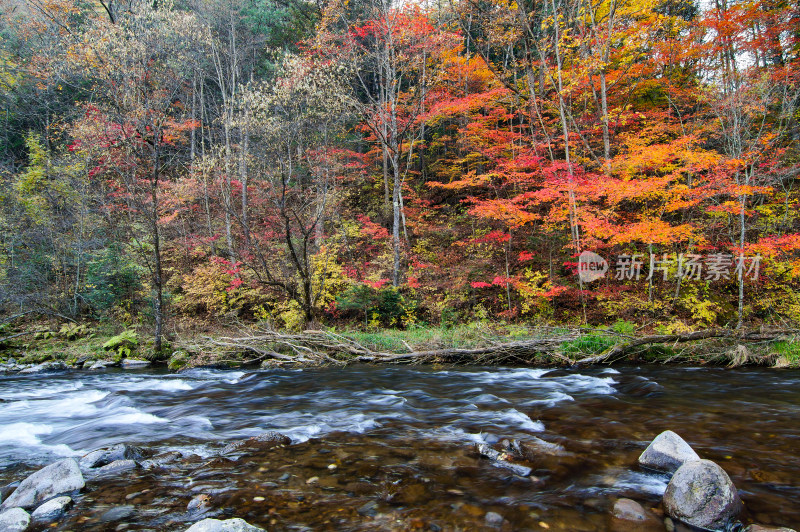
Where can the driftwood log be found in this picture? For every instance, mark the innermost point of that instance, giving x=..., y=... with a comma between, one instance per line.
x=324, y=347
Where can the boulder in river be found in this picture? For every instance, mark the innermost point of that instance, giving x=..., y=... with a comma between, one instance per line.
x=52, y=510
x=58, y=478
x=14, y=520
x=228, y=525
x=667, y=452
x=702, y=495
x=266, y=440
x=106, y=455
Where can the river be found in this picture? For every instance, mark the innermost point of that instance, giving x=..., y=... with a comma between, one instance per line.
x=392, y=448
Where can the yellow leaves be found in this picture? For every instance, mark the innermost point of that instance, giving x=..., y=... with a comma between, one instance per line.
x=8, y=77
x=40, y=182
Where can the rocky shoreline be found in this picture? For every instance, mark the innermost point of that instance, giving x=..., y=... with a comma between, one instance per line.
x=699, y=496
x=12, y=366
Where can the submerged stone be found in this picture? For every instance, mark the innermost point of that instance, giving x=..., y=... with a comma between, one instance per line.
x=228, y=525
x=629, y=510
x=107, y=455
x=52, y=509
x=266, y=440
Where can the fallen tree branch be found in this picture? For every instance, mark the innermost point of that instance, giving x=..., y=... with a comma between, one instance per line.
x=323, y=347
x=7, y=338
x=621, y=349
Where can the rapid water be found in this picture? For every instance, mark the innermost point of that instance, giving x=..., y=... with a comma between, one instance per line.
x=592, y=423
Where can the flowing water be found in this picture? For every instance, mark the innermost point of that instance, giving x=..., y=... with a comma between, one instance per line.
x=392, y=448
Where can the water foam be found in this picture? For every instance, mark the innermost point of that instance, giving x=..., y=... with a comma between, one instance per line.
x=132, y=416
x=153, y=385
x=27, y=435
x=42, y=391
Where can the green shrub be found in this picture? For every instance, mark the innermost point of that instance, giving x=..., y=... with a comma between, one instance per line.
x=112, y=280
x=624, y=327
x=591, y=344
x=73, y=331
x=383, y=306
x=788, y=354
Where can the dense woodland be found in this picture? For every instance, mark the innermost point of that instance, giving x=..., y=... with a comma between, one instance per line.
x=367, y=163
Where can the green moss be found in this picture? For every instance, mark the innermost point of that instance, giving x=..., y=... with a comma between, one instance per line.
x=179, y=360
x=658, y=353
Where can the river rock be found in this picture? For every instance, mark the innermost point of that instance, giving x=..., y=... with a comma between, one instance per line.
x=135, y=363
x=52, y=509
x=162, y=460
x=45, y=366
x=533, y=449
x=762, y=528
x=116, y=467
x=494, y=519
x=101, y=364
x=499, y=459
x=106, y=455
x=667, y=452
x=228, y=525
x=14, y=520
x=701, y=494
x=118, y=513
x=629, y=510
x=59, y=477
x=266, y=440
x=368, y=509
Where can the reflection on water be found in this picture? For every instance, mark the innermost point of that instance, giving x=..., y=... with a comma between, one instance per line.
x=400, y=438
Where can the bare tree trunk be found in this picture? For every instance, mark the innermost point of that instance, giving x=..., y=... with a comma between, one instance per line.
x=158, y=302
x=243, y=173
x=742, y=234
x=396, y=222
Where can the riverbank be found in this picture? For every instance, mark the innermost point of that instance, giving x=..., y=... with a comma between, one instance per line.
x=80, y=346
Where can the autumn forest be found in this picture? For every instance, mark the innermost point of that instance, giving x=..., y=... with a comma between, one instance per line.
x=373, y=164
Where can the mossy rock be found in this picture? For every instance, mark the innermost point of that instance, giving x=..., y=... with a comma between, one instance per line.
x=179, y=360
